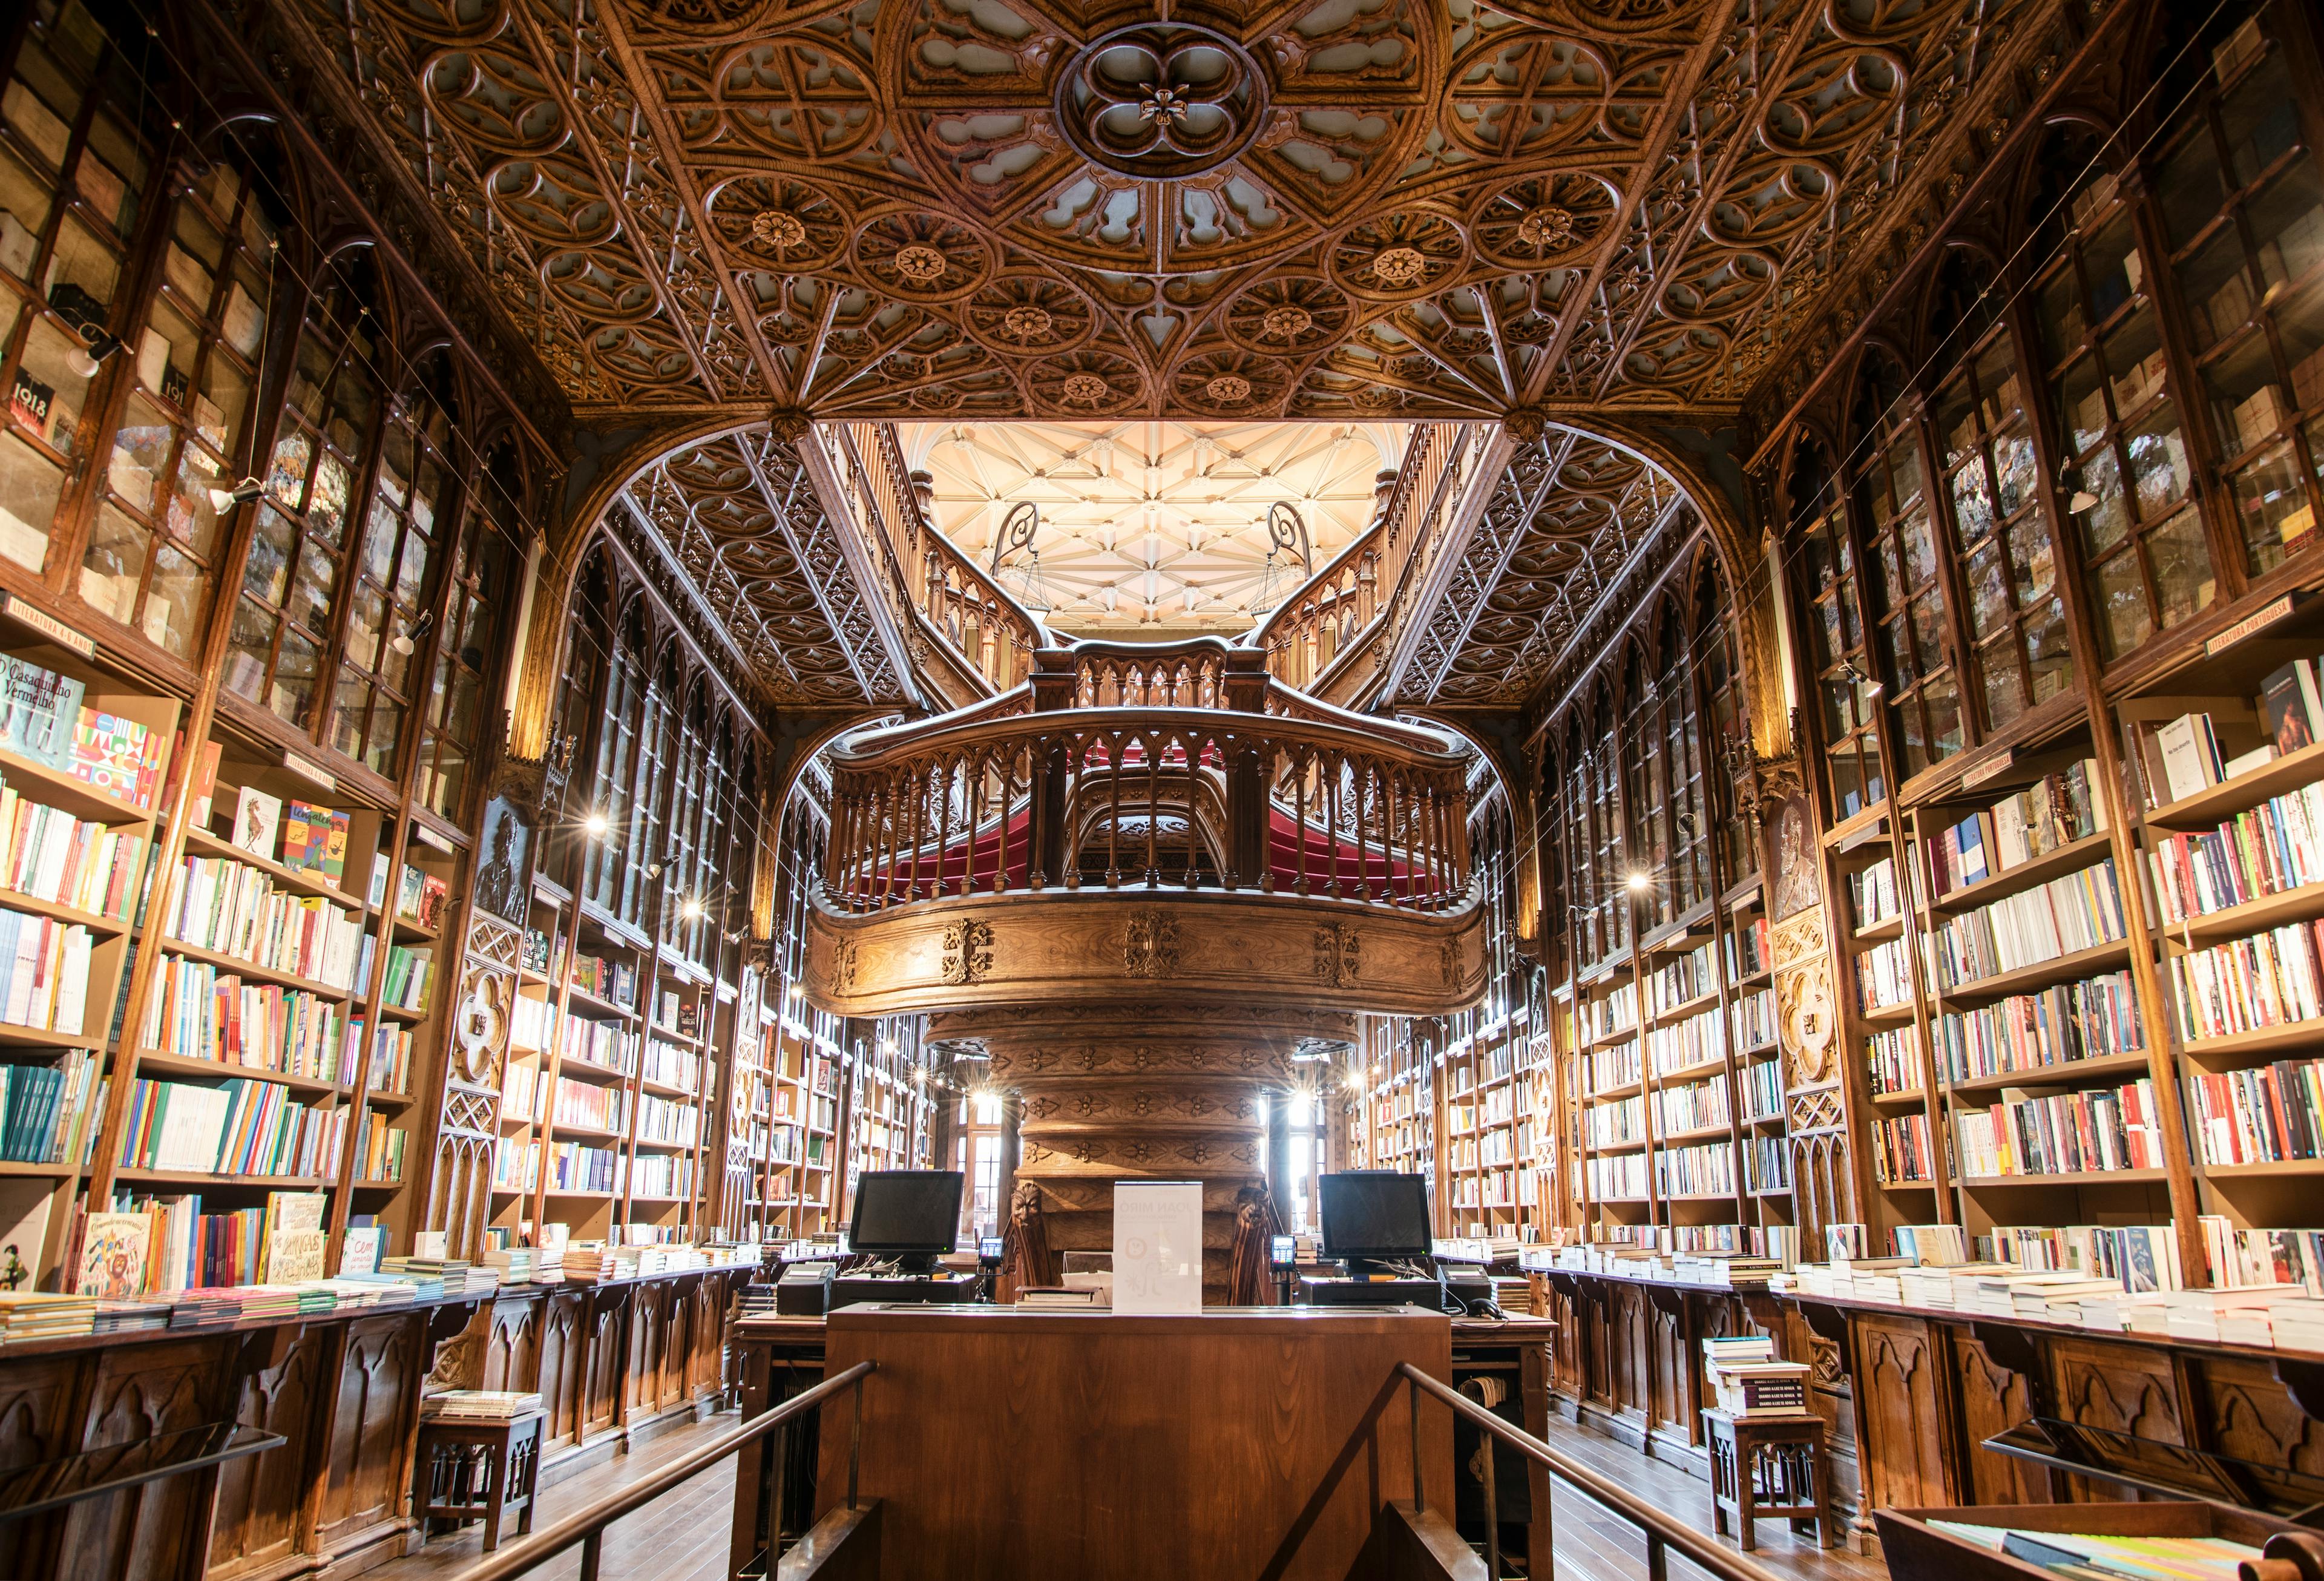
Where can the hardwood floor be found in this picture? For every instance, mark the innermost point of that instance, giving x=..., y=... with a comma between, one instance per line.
x=1596, y=1545
x=682, y=1536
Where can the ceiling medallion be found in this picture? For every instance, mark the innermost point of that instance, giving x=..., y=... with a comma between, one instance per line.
x=1228, y=388
x=1398, y=266
x=1288, y=322
x=1027, y=323
x=921, y=263
x=1546, y=228
x=772, y=227
x=1162, y=100
x=1084, y=389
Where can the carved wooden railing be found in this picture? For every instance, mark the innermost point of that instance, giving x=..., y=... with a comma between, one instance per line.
x=988, y=633
x=1230, y=784
x=1308, y=638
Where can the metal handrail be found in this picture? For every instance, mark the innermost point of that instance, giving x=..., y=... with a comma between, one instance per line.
x=588, y=1528
x=1661, y=1531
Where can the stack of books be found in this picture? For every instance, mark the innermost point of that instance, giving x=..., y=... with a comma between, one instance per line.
x=1748, y=1381
x=479, y=1405
x=202, y=1308
x=33, y=1315
x=512, y=1265
x=131, y=1317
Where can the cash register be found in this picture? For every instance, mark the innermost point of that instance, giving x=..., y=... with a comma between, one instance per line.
x=1376, y=1222
x=904, y=1220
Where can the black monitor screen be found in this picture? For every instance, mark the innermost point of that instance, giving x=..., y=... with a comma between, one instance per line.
x=906, y=1210
x=1373, y=1213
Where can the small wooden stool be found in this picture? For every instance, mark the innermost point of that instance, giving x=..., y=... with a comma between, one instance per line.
x=1769, y=1467
x=467, y=1469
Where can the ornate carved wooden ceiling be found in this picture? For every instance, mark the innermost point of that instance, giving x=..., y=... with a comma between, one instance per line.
x=1569, y=514
x=1329, y=209
x=744, y=526
x=1150, y=523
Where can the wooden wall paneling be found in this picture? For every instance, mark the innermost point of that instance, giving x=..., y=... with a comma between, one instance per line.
x=2123, y=1388
x=1668, y=1327
x=1995, y=1385
x=561, y=1355
x=678, y=1350
x=706, y=1371
x=1566, y=1350
x=263, y=1515
x=36, y=1419
x=376, y=1405
x=2245, y=1411
x=143, y=1533
x=605, y=1351
x=648, y=1339
x=1901, y=1387
x=512, y=1344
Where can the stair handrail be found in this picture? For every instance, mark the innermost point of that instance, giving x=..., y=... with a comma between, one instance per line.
x=950, y=594
x=1308, y=636
x=1664, y=1532
x=587, y=1526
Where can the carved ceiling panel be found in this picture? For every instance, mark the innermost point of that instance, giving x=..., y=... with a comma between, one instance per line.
x=1567, y=519
x=1338, y=209
x=742, y=525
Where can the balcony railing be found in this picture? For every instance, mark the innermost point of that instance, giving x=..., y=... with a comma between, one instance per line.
x=990, y=634
x=1201, y=773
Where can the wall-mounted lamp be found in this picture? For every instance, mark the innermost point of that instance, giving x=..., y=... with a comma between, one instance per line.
x=404, y=640
x=595, y=825
x=691, y=910
x=83, y=360
x=224, y=499
x=1849, y=673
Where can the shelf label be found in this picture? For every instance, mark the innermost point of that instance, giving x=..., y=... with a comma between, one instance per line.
x=429, y=837
x=48, y=626
x=2258, y=620
x=1985, y=772
x=308, y=770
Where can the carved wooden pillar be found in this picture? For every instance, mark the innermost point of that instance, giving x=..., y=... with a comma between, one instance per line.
x=1134, y=1090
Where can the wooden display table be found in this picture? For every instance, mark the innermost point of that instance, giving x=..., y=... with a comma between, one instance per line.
x=469, y=1470
x=1769, y=1468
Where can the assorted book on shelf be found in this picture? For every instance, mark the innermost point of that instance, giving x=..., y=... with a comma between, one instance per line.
x=52, y=856
x=2031, y=1132
x=2052, y=813
x=39, y=1105
x=44, y=721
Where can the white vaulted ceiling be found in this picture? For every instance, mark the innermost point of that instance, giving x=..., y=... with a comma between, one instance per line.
x=1152, y=528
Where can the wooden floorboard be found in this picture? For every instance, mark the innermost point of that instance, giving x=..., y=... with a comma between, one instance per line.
x=682, y=1536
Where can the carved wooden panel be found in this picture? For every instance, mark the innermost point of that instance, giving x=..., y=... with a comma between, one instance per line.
x=1631, y=1370
x=1899, y=1373
x=604, y=1363
x=1991, y=1399
x=648, y=1338
x=562, y=1353
x=368, y=1472
x=2248, y=1414
x=678, y=1352
x=138, y=1391
x=36, y=1399
x=706, y=1373
x=2117, y=1387
x=1668, y=1365
x=512, y=1343
x=262, y=1499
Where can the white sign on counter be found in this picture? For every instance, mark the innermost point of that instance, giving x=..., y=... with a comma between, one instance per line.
x=1158, y=1246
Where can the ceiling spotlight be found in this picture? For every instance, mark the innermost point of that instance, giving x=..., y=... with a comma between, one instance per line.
x=240, y=493
x=595, y=825
x=83, y=360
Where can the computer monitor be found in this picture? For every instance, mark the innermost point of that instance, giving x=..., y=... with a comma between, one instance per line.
x=1370, y=1215
x=910, y=1214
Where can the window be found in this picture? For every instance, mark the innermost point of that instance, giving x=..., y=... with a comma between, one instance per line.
x=412, y=494
x=60, y=274
x=986, y=1209
x=2127, y=467
x=1610, y=900
x=1682, y=753
x=1985, y=454
x=193, y=365
x=1915, y=655
x=1648, y=841
x=298, y=551
x=1844, y=686
x=2242, y=209
x=1729, y=726
x=617, y=739
x=485, y=569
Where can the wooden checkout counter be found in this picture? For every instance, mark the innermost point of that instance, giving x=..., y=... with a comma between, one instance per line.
x=995, y=1369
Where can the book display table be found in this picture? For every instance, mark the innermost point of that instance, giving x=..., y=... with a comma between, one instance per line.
x=1769, y=1468
x=475, y=1469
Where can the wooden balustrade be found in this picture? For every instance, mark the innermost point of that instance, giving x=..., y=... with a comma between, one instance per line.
x=1194, y=781
x=1307, y=635
x=989, y=631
